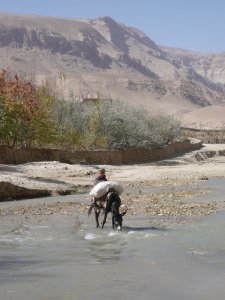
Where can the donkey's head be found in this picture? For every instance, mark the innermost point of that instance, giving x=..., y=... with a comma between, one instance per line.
x=118, y=220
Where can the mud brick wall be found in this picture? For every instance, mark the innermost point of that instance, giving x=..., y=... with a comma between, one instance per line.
x=20, y=156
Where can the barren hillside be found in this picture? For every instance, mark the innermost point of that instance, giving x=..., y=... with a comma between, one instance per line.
x=210, y=117
x=103, y=57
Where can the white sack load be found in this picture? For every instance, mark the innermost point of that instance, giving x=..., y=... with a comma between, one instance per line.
x=103, y=187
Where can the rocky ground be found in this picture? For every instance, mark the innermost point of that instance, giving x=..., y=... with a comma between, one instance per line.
x=167, y=190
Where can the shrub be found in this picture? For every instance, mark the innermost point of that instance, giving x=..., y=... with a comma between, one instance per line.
x=115, y=125
x=34, y=116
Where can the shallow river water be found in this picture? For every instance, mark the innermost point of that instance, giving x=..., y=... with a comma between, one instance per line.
x=67, y=258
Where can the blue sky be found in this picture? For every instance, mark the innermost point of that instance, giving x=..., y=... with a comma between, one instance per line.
x=197, y=25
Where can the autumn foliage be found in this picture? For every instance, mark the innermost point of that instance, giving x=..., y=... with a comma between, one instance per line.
x=25, y=112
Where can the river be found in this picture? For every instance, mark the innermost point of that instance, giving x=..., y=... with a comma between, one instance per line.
x=67, y=258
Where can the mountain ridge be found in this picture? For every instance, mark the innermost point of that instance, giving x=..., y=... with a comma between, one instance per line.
x=112, y=59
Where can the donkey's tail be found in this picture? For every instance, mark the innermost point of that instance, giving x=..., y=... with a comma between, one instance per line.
x=90, y=208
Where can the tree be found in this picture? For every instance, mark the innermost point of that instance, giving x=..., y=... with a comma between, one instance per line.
x=25, y=112
x=34, y=116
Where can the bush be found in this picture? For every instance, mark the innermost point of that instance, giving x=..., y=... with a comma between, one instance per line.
x=115, y=125
x=128, y=127
x=34, y=116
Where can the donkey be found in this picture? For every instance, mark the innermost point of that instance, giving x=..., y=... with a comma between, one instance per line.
x=113, y=203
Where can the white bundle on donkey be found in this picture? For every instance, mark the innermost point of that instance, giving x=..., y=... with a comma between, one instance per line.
x=103, y=187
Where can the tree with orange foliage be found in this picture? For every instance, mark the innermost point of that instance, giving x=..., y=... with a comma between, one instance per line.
x=24, y=111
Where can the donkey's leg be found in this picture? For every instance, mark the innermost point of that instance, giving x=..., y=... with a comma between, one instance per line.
x=113, y=214
x=113, y=221
x=96, y=218
x=104, y=220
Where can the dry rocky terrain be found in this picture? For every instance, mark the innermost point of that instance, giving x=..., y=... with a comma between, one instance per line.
x=167, y=190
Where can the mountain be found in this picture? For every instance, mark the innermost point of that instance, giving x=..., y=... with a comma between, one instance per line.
x=106, y=58
x=208, y=65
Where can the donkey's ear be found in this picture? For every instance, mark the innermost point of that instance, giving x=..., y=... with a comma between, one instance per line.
x=124, y=212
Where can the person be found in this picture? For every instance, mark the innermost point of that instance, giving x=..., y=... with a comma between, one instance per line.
x=101, y=177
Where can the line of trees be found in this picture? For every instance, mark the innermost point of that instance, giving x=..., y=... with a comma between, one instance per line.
x=35, y=116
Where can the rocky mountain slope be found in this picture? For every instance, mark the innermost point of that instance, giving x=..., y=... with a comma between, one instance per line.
x=103, y=57
x=208, y=65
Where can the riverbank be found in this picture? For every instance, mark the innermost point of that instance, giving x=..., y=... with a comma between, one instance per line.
x=167, y=190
